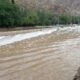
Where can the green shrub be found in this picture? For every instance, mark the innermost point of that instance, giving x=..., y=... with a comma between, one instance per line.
x=9, y=14
x=65, y=19
x=45, y=18
x=12, y=15
x=30, y=18
x=76, y=19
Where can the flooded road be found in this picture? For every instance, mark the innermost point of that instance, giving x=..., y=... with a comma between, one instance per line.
x=52, y=56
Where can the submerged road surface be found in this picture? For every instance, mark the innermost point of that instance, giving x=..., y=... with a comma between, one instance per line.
x=50, y=54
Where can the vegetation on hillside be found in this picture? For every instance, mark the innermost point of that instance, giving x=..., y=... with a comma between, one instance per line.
x=12, y=15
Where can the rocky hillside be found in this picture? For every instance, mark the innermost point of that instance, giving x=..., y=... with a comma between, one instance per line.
x=58, y=6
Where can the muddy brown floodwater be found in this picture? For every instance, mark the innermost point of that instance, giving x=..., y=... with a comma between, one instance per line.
x=54, y=56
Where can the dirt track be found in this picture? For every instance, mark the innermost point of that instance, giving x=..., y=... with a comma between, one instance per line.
x=54, y=56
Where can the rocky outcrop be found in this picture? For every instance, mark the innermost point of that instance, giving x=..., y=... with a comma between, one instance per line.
x=77, y=76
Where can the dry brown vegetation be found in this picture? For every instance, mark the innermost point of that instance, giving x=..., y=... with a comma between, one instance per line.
x=65, y=6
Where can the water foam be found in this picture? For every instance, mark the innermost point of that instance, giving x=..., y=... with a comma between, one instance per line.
x=4, y=40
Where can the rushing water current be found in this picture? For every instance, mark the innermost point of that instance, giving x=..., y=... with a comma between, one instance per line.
x=50, y=54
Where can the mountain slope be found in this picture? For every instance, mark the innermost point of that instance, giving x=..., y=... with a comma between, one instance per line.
x=59, y=6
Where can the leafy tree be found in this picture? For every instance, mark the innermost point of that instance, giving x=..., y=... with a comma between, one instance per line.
x=9, y=14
